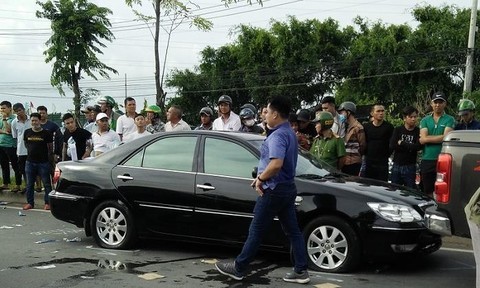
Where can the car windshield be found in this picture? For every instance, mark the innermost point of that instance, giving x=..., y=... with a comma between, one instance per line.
x=307, y=165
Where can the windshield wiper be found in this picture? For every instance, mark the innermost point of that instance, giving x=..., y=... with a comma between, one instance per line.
x=310, y=176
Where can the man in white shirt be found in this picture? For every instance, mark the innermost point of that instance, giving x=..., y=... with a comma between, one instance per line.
x=228, y=120
x=126, y=123
x=19, y=125
x=175, y=121
x=104, y=139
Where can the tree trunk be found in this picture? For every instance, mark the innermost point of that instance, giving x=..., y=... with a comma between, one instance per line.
x=160, y=96
x=76, y=92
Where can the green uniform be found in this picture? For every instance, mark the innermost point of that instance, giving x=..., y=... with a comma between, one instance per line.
x=6, y=140
x=431, y=150
x=328, y=149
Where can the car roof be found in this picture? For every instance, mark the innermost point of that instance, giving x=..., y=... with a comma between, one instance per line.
x=126, y=149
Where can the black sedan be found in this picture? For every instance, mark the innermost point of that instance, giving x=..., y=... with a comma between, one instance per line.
x=195, y=186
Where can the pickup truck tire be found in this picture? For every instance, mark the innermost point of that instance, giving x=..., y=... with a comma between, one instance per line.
x=332, y=245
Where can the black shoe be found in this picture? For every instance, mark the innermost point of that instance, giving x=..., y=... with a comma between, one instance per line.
x=295, y=277
x=228, y=269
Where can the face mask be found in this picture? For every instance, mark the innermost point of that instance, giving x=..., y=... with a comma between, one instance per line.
x=249, y=122
x=342, y=118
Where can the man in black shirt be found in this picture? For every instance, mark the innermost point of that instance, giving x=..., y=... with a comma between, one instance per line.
x=378, y=134
x=77, y=142
x=39, y=143
x=405, y=143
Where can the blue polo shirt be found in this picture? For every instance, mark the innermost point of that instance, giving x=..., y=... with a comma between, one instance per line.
x=281, y=143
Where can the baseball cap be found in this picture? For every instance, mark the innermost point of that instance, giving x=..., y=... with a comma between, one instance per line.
x=87, y=109
x=439, y=96
x=101, y=116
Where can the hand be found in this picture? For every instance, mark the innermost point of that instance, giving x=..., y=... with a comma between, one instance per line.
x=257, y=185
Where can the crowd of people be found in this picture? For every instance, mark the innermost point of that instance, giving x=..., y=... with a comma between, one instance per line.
x=32, y=144
x=339, y=139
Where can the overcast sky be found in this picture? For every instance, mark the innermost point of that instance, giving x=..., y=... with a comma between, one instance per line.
x=25, y=77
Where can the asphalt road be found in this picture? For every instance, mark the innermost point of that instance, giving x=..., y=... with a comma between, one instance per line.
x=40, y=251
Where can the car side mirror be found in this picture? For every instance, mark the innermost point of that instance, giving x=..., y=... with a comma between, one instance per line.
x=254, y=172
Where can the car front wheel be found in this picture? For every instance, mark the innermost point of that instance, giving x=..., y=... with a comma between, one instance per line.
x=112, y=225
x=332, y=245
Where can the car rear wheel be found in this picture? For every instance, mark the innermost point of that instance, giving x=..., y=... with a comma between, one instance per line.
x=112, y=225
x=332, y=245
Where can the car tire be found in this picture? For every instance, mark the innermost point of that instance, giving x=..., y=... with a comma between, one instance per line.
x=332, y=245
x=112, y=225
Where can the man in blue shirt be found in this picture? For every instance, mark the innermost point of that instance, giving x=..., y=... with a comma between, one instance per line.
x=275, y=185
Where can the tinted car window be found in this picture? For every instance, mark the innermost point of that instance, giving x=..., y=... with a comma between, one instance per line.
x=227, y=158
x=135, y=160
x=173, y=153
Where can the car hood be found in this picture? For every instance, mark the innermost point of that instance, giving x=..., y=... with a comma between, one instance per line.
x=372, y=190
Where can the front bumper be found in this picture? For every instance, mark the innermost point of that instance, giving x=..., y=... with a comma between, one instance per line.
x=437, y=222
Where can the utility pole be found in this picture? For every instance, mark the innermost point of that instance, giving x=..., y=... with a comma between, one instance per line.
x=467, y=84
x=126, y=80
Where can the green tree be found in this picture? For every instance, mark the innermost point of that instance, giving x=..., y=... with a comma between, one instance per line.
x=295, y=58
x=77, y=30
x=402, y=65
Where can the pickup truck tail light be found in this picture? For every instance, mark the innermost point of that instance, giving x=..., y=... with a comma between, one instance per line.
x=444, y=174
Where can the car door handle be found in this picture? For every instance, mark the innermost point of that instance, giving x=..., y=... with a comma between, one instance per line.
x=124, y=177
x=205, y=187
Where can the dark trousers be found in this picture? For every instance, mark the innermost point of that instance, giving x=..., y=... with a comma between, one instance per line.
x=404, y=175
x=278, y=202
x=428, y=172
x=9, y=154
x=22, y=159
x=33, y=170
x=352, y=169
x=377, y=171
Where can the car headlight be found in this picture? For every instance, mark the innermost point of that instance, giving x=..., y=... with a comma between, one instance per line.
x=395, y=212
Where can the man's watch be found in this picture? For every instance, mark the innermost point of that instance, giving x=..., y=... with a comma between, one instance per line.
x=260, y=179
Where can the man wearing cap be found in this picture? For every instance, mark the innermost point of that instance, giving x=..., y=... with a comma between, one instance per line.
x=92, y=126
x=466, y=111
x=107, y=106
x=328, y=104
x=153, y=120
x=249, y=125
x=89, y=116
x=104, y=139
x=206, y=122
x=228, y=120
x=327, y=145
x=433, y=128
x=305, y=126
